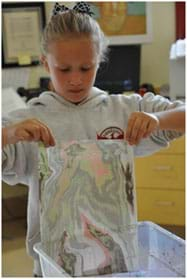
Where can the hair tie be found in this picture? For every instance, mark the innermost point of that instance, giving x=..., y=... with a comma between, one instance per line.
x=80, y=7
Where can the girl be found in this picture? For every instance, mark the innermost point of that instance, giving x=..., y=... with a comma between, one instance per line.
x=73, y=47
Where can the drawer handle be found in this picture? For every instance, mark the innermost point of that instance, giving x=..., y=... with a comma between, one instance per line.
x=162, y=168
x=165, y=203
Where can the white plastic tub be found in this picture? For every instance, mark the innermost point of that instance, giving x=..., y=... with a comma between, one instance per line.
x=161, y=254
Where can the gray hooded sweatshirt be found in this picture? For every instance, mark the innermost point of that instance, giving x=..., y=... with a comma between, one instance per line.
x=100, y=116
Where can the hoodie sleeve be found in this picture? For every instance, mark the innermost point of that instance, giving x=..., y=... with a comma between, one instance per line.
x=18, y=160
x=154, y=103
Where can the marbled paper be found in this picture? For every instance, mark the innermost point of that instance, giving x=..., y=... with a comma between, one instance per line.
x=88, y=207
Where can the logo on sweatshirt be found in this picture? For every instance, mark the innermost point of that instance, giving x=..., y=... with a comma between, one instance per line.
x=114, y=133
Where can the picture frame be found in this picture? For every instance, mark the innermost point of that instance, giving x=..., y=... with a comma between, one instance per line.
x=22, y=24
x=130, y=22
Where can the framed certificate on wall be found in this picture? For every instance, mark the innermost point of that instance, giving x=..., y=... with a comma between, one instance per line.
x=22, y=24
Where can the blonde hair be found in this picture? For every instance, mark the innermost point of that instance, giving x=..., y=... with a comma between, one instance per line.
x=74, y=23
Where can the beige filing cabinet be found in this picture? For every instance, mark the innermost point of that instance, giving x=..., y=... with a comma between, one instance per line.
x=160, y=182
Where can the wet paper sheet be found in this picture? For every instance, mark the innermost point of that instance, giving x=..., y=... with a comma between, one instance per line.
x=88, y=207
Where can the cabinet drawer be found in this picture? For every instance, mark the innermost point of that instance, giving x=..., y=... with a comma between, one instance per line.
x=164, y=207
x=161, y=171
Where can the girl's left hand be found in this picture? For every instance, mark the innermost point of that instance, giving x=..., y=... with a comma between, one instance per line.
x=140, y=125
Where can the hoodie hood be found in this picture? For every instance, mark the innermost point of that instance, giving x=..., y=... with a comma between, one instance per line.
x=54, y=101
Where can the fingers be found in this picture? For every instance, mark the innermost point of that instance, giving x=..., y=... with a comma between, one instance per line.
x=46, y=136
x=23, y=136
x=40, y=132
x=31, y=130
x=140, y=125
x=136, y=130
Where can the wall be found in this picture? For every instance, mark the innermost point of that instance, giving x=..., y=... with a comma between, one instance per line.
x=154, y=57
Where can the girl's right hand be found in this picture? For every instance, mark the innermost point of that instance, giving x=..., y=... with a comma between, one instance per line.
x=27, y=130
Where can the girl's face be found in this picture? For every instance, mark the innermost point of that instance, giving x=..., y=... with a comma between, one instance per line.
x=72, y=64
